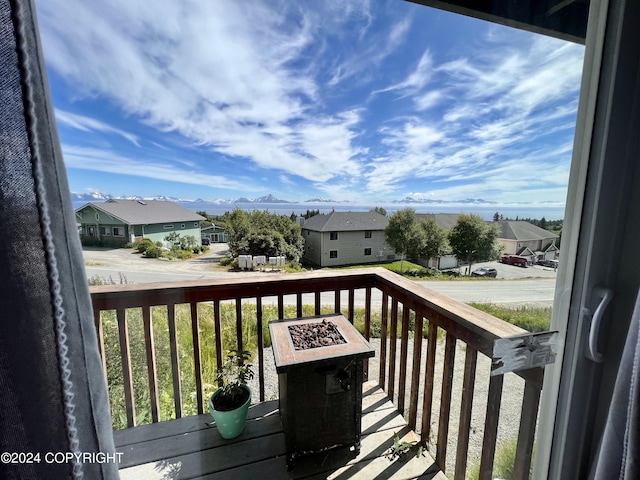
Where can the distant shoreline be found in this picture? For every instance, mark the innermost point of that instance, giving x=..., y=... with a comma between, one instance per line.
x=484, y=210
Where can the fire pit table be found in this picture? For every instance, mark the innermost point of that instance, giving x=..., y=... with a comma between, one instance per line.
x=319, y=364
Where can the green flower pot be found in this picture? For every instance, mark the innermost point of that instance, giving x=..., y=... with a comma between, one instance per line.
x=230, y=424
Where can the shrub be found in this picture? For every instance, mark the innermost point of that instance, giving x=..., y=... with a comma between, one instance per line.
x=225, y=261
x=143, y=244
x=153, y=252
x=182, y=254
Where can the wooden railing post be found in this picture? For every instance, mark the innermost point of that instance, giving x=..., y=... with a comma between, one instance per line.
x=445, y=400
x=404, y=343
x=151, y=363
x=125, y=357
x=494, y=400
x=175, y=360
x=468, y=384
x=527, y=433
x=197, y=360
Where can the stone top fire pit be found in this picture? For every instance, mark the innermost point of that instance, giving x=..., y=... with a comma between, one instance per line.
x=315, y=339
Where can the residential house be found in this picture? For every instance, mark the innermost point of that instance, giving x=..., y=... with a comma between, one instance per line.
x=214, y=233
x=445, y=221
x=525, y=239
x=346, y=238
x=117, y=222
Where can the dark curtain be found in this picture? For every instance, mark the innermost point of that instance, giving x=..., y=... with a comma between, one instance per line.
x=53, y=397
x=619, y=451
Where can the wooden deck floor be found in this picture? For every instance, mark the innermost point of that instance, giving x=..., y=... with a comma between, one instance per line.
x=188, y=448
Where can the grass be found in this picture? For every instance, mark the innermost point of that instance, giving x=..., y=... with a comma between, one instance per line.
x=409, y=269
x=504, y=461
x=533, y=319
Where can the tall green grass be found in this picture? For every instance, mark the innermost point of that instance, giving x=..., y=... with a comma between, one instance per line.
x=533, y=319
x=138, y=353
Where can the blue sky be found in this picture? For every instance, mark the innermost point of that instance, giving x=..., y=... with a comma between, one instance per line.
x=368, y=101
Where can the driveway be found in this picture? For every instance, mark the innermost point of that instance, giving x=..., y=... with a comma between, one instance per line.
x=127, y=259
x=511, y=272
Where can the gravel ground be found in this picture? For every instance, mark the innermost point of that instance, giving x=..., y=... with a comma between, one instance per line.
x=510, y=408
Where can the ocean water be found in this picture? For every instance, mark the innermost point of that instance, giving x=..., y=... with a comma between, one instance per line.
x=484, y=210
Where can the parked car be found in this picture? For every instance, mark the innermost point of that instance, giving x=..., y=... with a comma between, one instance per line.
x=515, y=260
x=549, y=263
x=205, y=241
x=485, y=272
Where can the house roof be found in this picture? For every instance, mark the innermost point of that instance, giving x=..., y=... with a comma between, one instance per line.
x=522, y=231
x=346, y=221
x=443, y=220
x=145, y=212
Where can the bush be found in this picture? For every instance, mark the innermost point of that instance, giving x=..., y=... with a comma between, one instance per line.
x=225, y=261
x=153, y=251
x=182, y=254
x=143, y=244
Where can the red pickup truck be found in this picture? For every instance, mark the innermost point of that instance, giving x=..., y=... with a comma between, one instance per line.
x=515, y=260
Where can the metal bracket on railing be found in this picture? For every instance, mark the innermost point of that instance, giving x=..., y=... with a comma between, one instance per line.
x=605, y=295
x=524, y=351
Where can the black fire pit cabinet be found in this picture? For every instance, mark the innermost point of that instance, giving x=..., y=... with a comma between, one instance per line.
x=320, y=387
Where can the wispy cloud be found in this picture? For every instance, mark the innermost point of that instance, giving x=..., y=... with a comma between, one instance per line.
x=346, y=99
x=87, y=124
x=219, y=73
x=103, y=160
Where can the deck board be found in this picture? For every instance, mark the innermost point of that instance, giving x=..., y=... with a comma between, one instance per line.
x=190, y=448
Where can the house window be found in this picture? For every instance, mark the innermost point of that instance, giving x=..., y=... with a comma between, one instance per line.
x=367, y=234
x=333, y=253
x=333, y=235
x=97, y=216
x=367, y=251
x=118, y=232
x=168, y=227
x=105, y=231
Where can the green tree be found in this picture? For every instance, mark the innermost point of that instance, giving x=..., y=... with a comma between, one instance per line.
x=433, y=239
x=403, y=234
x=263, y=233
x=473, y=240
x=379, y=210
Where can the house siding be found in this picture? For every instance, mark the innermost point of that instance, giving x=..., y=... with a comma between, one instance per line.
x=313, y=247
x=157, y=232
x=349, y=245
x=91, y=220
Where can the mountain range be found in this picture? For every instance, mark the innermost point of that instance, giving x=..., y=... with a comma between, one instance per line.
x=266, y=199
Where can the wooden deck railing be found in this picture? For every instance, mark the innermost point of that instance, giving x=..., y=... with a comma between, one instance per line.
x=399, y=301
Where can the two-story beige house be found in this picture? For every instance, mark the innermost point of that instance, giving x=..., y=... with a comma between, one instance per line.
x=525, y=239
x=346, y=238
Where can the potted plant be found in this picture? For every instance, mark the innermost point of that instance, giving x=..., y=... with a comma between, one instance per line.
x=229, y=404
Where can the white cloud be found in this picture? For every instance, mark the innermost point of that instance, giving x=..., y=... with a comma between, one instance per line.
x=106, y=161
x=218, y=73
x=86, y=124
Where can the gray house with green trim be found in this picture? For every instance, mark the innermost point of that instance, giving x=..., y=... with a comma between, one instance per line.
x=117, y=221
x=346, y=238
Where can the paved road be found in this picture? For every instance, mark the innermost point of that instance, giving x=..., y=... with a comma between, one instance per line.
x=537, y=291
